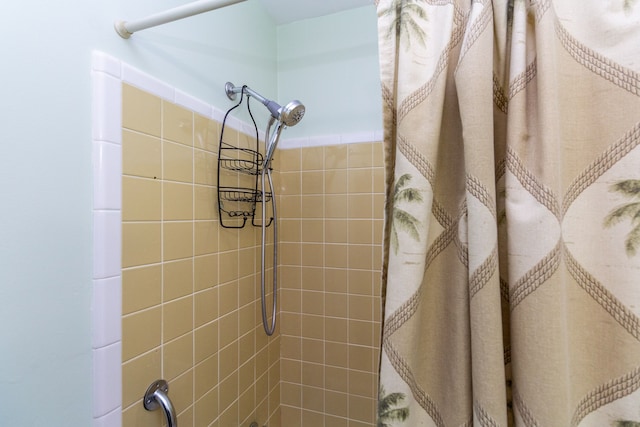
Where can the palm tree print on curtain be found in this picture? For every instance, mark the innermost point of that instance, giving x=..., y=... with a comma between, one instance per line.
x=628, y=5
x=402, y=219
x=408, y=14
x=631, y=210
x=388, y=411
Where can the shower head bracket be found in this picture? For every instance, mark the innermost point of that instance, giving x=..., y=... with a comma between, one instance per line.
x=231, y=90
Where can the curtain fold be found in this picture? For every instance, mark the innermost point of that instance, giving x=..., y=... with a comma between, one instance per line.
x=512, y=233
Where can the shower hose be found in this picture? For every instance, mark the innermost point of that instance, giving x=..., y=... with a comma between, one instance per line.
x=269, y=327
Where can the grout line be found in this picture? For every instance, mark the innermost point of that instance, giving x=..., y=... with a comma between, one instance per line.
x=162, y=260
x=193, y=268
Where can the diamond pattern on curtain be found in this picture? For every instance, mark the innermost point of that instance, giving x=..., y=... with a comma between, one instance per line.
x=512, y=235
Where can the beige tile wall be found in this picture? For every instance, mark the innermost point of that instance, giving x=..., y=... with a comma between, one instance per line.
x=191, y=310
x=331, y=206
x=190, y=307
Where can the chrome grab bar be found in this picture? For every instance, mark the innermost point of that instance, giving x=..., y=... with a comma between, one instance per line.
x=157, y=396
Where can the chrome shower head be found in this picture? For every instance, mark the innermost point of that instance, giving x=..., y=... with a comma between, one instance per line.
x=292, y=113
x=289, y=115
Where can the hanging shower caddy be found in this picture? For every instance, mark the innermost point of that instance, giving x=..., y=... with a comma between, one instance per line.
x=237, y=203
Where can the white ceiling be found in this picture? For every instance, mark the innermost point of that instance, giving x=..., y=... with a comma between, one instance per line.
x=285, y=11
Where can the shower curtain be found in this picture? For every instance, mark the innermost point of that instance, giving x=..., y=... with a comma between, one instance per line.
x=512, y=233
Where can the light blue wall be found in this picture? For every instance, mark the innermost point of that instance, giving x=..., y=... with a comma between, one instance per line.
x=45, y=155
x=330, y=63
x=45, y=172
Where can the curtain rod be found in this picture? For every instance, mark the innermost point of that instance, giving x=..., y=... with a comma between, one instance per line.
x=125, y=28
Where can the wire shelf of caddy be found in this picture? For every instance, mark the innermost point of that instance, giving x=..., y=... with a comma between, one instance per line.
x=242, y=195
x=239, y=203
x=239, y=171
x=243, y=160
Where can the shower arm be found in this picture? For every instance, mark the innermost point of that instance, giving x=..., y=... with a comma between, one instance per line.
x=231, y=91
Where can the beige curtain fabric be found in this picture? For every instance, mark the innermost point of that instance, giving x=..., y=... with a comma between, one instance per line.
x=513, y=213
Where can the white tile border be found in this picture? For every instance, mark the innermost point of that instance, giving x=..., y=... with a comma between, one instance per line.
x=108, y=74
x=335, y=139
